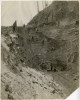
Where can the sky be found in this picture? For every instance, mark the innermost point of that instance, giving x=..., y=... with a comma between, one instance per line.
x=22, y=11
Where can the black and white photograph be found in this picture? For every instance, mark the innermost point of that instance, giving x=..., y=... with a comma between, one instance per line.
x=39, y=49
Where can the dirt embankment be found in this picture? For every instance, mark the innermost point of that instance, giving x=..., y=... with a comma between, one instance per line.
x=28, y=54
x=22, y=82
x=19, y=82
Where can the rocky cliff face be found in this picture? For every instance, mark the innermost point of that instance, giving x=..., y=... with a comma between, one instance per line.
x=51, y=37
x=58, y=11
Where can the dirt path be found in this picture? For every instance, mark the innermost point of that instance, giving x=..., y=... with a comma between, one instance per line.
x=68, y=78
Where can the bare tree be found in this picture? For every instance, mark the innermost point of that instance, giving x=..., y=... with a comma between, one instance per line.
x=31, y=16
x=23, y=25
x=43, y=4
x=37, y=6
x=46, y=3
x=15, y=26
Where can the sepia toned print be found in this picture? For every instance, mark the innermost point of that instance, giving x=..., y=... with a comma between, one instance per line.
x=39, y=49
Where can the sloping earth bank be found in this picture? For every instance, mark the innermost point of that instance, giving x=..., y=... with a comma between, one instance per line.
x=27, y=83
